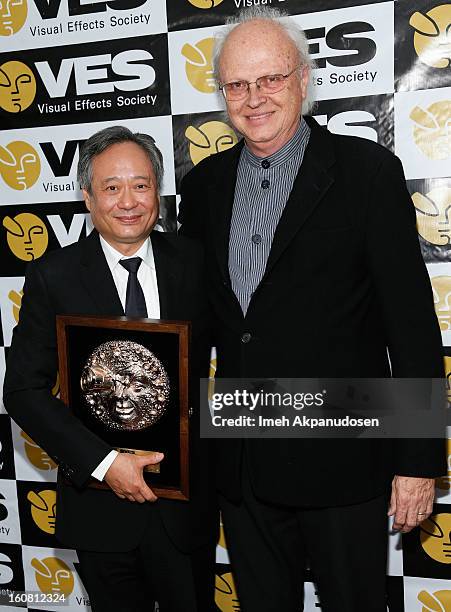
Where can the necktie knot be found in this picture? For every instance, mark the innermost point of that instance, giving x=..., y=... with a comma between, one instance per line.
x=131, y=265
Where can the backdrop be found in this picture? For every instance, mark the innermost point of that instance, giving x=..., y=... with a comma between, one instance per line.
x=71, y=67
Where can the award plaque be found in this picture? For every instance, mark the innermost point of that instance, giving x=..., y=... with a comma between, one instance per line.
x=127, y=381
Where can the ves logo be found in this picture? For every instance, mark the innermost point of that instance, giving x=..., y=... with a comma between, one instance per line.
x=19, y=165
x=43, y=509
x=36, y=455
x=53, y=575
x=209, y=138
x=13, y=14
x=205, y=4
x=432, y=129
x=199, y=66
x=435, y=537
x=225, y=593
x=17, y=86
x=433, y=210
x=16, y=299
x=441, y=289
x=432, y=38
x=27, y=236
x=440, y=601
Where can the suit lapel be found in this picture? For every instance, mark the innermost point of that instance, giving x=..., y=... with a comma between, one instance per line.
x=312, y=182
x=221, y=194
x=169, y=275
x=97, y=279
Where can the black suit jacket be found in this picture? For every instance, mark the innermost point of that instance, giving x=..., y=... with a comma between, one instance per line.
x=77, y=280
x=344, y=282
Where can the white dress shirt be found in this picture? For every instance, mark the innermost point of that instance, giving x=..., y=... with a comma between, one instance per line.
x=147, y=277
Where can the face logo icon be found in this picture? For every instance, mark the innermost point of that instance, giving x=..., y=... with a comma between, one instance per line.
x=13, y=14
x=440, y=601
x=53, y=575
x=19, y=165
x=444, y=482
x=441, y=289
x=433, y=215
x=43, y=509
x=432, y=38
x=205, y=4
x=38, y=457
x=17, y=87
x=435, y=537
x=432, y=129
x=16, y=299
x=198, y=66
x=27, y=236
x=208, y=139
x=225, y=593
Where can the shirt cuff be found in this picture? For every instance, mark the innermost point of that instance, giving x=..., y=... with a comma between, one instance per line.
x=102, y=468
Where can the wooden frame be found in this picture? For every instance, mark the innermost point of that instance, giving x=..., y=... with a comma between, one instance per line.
x=77, y=336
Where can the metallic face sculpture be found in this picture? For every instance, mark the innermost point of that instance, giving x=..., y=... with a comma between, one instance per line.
x=125, y=386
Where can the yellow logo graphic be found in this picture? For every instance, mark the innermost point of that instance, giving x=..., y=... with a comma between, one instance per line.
x=19, y=165
x=444, y=482
x=440, y=601
x=198, y=66
x=441, y=289
x=17, y=87
x=211, y=378
x=38, y=457
x=53, y=575
x=432, y=38
x=16, y=299
x=27, y=236
x=432, y=129
x=435, y=537
x=205, y=4
x=13, y=14
x=43, y=509
x=433, y=210
x=225, y=593
x=209, y=138
x=56, y=386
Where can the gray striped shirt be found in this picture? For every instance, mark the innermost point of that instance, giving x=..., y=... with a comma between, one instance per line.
x=262, y=189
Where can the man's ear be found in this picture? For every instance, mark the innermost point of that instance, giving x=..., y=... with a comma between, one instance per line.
x=87, y=199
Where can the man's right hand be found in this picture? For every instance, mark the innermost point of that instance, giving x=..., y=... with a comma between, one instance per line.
x=125, y=476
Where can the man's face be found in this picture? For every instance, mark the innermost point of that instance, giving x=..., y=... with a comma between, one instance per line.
x=124, y=199
x=267, y=121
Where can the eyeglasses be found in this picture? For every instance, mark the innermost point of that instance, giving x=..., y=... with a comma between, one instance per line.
x=268, y=84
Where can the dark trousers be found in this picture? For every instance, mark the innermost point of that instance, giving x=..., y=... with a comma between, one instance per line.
x=156, y=570
x=270, y=547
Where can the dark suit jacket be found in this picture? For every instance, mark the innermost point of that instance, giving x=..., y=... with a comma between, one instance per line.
x=344, y=282
x=77, y=280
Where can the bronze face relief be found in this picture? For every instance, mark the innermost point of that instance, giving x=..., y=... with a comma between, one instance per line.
x=125, y=386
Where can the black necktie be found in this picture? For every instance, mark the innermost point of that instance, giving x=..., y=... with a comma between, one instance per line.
x=135, y=304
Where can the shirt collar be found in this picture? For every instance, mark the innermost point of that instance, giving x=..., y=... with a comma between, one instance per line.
x=289, y=150
x=113, y=256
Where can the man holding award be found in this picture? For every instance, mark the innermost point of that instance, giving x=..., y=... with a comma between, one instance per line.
x=133, y=548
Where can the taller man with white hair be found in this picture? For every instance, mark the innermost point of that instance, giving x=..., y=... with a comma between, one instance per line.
x=312, y=252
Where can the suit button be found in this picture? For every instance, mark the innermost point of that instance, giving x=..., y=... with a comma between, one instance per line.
x=265, y=184
x=265, y=164
x=246, y=337
x=256, y=239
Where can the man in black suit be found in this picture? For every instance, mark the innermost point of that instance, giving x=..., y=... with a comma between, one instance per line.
x=312, y=257
x=132, y=547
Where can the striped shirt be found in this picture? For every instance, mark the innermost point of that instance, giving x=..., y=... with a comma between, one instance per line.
x=262, y=189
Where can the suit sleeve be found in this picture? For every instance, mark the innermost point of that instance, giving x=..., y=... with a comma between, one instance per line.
x=31, y=372
x=191, y=208
x=404, y=292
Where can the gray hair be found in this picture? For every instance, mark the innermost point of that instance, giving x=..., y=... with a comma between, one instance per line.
x=100, y=141
x=279, y=18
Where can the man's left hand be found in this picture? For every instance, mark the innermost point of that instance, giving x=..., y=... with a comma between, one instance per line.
x=411, y=501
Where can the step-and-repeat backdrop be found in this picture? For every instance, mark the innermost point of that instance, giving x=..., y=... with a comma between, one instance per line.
x=71, y=67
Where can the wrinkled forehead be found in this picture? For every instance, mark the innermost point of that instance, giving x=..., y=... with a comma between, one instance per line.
x=257, y=44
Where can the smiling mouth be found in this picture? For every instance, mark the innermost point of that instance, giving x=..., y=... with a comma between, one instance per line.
x=129, y=219
x=259, y=117
x=125, y=413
